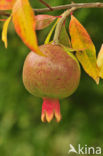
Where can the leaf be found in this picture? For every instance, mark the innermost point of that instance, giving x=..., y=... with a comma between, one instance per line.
x=25, y=23
x=50, y=33
x=69, y=52
x=42, y=21
x=81, y=40
x=68, y=49
x=6, y=4
x=4, y=31
x=64, y=38
x=2, y=20
x=100, y=62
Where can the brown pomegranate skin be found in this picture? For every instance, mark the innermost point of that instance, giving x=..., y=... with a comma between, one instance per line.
x=55, y=75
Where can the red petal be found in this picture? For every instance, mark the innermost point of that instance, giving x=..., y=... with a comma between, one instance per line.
x=50, y=108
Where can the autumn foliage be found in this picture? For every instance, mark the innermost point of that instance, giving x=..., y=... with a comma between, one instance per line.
x=80, y=44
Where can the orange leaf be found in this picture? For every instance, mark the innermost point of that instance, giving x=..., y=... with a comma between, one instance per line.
x=100, y=62
x=42, y=21
x=4, y=31
x=6, y=4
x=24, y=22
x=81, y=41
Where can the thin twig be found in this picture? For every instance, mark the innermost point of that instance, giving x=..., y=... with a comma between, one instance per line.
x=63, y=7
x=46, y=4
x=69, y=6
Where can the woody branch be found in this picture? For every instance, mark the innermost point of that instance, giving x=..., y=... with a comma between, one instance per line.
x=63, y=7
x=69, y=6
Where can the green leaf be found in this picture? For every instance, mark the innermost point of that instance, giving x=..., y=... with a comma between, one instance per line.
x=64, y=38
x=70, y=52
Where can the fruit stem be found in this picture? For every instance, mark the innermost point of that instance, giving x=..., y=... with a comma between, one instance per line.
x=60, y=23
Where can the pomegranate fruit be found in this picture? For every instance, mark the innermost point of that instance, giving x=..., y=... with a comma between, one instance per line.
x=52, y=77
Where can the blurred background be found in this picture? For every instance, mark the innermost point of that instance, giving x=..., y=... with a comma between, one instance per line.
x=21, y=131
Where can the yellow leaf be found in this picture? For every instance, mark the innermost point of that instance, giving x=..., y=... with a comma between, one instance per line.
x=6, y=4
x=50, y=33
x=4, y=31
x=25, y=23
x=100, y=62
x=81, y=40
